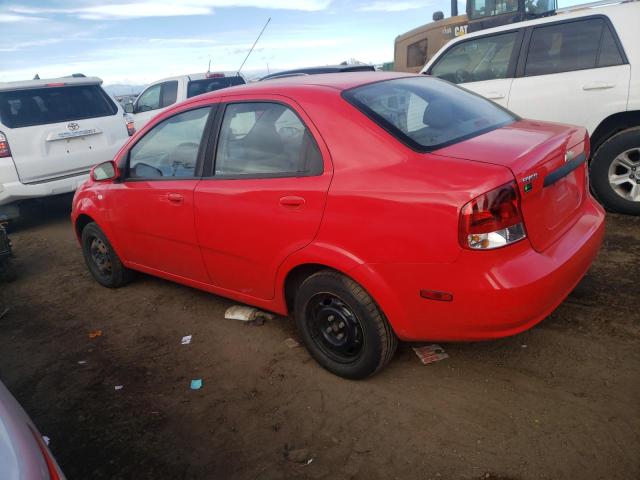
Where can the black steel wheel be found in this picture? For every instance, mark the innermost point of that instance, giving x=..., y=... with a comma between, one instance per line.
x=101, y=259
x=342, y=327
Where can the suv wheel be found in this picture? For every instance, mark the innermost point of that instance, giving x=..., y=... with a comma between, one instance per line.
x=342, y=327
x=615, y=172
x=102, y=260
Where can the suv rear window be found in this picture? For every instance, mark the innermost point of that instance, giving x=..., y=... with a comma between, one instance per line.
x=198, y=87
x=39, y=106
x=426, y=113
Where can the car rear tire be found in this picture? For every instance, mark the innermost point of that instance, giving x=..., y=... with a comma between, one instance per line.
x=102, y=260
x=342, y=327
x=615, y=172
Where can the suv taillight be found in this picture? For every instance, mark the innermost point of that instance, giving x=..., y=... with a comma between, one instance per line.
x=493, y=219
x=5, y=151
x=131, y=128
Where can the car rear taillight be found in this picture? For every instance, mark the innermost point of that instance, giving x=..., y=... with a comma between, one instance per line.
x=131, y=127
x=51, y=464
x=493, y=219
x=5, y=151
x=215, y=75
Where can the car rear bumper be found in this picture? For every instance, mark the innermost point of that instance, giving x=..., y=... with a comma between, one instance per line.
x=12, y=190
x=495, y=293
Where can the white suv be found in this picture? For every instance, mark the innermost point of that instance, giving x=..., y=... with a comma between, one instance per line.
x=161, y=94
x=51, y=133
x=580, y=67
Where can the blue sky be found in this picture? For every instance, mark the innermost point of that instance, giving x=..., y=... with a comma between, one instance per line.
x=139, y=41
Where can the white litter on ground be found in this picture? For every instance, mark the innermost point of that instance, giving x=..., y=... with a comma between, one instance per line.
x=82, y=362
x=186, y=340
x=118, y=387
x=46, y=439
x=291, y=343
x=244, y=313
x=430, y=353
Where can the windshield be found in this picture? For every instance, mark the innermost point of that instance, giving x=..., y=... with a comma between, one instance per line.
x=39, y=106
x=427, y=113
x=198, y=87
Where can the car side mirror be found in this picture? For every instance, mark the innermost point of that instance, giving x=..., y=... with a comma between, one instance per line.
x=128, y=107
x=104, y=171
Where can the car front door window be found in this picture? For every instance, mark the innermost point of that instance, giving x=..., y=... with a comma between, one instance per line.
x=149, y=99
x=170, y=149
x=479, y=59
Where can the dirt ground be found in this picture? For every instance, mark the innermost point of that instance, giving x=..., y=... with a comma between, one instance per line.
x=561, y=401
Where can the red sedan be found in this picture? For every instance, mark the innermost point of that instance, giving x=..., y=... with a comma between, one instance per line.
x=372, y=206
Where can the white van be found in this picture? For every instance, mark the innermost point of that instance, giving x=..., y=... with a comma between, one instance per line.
x=580, y=67
x=51, y=133
x=161, y=94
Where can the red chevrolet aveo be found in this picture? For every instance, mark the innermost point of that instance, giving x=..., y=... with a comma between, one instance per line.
x=372, y=206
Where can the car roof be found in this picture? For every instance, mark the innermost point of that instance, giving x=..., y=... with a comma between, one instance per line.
x=337, y=81
x=49, y=82
x=197, y=76
x=321, y=69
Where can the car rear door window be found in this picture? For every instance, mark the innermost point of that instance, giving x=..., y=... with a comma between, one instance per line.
x=149, y=99
x=564, y=47
x=39, y=106
x=169, y=93
x=478, y=59
x=265, y=139
x=170, y=149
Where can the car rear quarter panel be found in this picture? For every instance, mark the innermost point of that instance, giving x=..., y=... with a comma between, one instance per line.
x=388, y=204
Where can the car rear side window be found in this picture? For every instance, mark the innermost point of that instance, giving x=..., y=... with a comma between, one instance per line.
x=265, y=139
x=609, y=51
x=170, y=149
x=198, y=87
x=40, y=106
x=485, y=58
x=564, y=47
x=426, y=113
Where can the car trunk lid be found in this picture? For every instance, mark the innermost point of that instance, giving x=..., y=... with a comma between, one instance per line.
x=549, y=164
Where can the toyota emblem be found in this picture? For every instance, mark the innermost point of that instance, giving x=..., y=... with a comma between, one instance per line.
x=73, y=126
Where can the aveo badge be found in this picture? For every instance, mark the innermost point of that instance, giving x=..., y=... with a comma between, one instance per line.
x=528, y=182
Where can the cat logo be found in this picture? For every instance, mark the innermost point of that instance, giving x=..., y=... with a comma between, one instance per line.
x=459, y=31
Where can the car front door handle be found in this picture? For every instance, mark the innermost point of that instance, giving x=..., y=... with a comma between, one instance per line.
x=495, y=95
x=598, y=86
x=175, y=198
x=292, y=201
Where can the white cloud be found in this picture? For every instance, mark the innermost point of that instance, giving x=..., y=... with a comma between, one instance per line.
x=166, y=8
x=13, y=18
x=393, y=6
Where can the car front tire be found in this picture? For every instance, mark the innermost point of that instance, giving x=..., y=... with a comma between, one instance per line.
x=615, y=172
x=342, y=327
x=101, y=259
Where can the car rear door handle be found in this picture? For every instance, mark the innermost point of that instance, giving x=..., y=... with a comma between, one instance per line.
x=175, y=198
x=494, y=95
x=292, y=201
x=598, y=86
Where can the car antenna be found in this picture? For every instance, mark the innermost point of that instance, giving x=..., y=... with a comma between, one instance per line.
x=253, y=46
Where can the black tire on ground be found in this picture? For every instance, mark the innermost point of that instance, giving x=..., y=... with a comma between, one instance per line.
x=7, y=270
x=328, y=299
x=599, y=171
x=101, y=259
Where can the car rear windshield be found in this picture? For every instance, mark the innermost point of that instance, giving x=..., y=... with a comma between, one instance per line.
x=426, y=113
x=39, y=106
x=198, y=87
